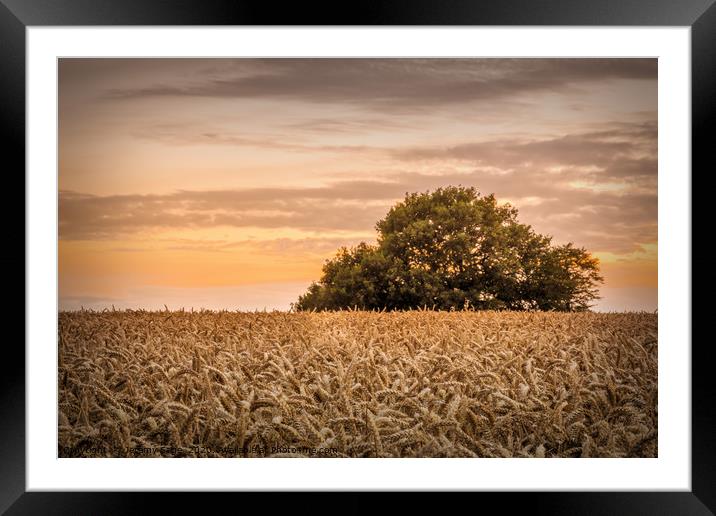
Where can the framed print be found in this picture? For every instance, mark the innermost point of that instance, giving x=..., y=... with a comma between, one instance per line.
x=443, y=249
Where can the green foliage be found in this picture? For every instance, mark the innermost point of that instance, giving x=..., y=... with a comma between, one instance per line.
x=453, y=249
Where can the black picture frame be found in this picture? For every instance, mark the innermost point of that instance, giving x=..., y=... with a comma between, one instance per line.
x=16, y=15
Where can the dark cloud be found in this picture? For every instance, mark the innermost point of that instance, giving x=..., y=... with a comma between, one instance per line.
x=390, y=83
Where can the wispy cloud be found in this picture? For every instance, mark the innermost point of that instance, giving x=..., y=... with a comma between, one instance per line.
x=276, y=247
x=626, y=151
x=184, y=135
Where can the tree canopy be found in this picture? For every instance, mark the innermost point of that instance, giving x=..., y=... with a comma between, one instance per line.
x=452, y=249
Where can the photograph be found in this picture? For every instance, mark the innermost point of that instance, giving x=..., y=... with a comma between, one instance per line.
x=359, y=257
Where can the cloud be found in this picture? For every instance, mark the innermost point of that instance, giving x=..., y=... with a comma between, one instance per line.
x=626, y=151
x=279, y=247
x=182, y=135
x=338, y=207
x=594, y=188
x=622, y=151
x=345, y=125
x=604, y=221
x=391, y=84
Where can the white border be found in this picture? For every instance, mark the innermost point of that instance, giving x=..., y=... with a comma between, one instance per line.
x=671, y=470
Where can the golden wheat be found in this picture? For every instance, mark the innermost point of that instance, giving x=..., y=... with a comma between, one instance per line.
x=357, y=384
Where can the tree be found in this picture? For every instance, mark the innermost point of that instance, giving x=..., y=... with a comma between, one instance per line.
x=451, y=249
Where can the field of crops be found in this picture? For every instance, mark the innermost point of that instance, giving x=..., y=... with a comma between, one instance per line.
x=357, y=384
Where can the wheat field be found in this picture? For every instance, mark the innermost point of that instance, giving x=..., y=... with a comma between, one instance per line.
x=357, y=384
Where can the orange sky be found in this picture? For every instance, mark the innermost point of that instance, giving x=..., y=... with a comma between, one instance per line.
x=225, y=183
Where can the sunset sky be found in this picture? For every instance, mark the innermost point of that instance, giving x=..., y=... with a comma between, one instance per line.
x=226, y=183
